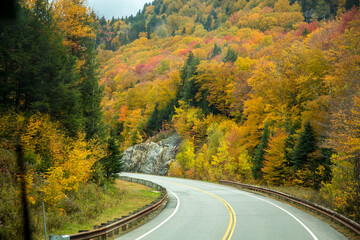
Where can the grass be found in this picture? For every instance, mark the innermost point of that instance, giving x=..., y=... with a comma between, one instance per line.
x=92, y=208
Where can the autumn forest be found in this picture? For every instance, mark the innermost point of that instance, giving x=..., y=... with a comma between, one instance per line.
x=261, y=91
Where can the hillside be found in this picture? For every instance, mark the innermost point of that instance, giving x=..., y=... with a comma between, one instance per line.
x=257, y=93
x=260, y=91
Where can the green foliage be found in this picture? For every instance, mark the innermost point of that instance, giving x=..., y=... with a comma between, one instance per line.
x=112, y=163
x=10, y=203
x=305, y=145
x=216, y=51
x=259, y=153
x=189, y=88
x=41, y=76
x=231, y=56
x=154, y=122
x=38, y=74
x=91, y=94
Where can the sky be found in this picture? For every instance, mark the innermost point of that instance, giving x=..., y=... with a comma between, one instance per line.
x=117, y=8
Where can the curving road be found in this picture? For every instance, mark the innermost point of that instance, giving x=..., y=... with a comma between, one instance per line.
x=201, y=210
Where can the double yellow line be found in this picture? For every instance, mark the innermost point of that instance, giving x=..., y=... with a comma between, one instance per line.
x=232, y=222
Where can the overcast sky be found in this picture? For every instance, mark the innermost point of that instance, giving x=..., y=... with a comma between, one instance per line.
x=117, y=8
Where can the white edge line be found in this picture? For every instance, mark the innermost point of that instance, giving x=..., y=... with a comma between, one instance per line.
x=299, y=221
x=167, y=219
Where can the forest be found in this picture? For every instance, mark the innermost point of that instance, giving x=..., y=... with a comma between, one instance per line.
x=261, y=91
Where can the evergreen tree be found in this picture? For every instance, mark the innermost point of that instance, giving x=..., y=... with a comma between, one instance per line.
x=189, y=67
x=154, y=123
x=38, y=73
x=351, y=3
x=112, y=163
x=166, y=113
x=208, y=23
x=216, y=51
x=91, y=94
x=189, y=86
x=231, y=56
x=304, y=146
x=152, y=24
x=259, y=153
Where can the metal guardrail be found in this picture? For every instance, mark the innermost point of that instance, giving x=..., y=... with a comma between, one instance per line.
x=355, y=227
x=123, y=224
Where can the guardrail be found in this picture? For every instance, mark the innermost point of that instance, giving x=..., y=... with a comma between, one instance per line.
x=114, y=228
x=355, y=227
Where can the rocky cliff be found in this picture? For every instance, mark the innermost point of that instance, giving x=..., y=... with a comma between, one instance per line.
x=151, y=157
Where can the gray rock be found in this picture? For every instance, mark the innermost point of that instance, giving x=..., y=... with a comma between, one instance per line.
x=151, y=157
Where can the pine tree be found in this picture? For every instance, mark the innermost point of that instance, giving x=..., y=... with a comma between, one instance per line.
x=351, y=3
x=208, y=23
x=39, y=74
x=189, y=86
x=259, y=153
x=91, y=94
x=153, y=123
x=231, y=56
x=216, y=51
x=112, y=163
x=304, y=146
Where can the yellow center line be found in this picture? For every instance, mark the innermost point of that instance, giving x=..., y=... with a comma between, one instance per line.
x=232, y=222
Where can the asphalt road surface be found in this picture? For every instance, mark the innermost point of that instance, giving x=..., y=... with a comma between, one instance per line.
x=201, y=210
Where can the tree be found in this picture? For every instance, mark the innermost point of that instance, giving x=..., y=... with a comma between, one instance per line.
x=39, y=74
x=216, y=51
x=112, y=163
x=231, y=56
x=282, y=6
x=91, y=94
x=154, y=123
x=186, y=156
x=189, y=87
x=305, y=145
x=259, y=153
x=275, y=169
x=73, y=18
x=351, y=3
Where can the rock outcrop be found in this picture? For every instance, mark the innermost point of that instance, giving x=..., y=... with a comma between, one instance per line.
x=151, y=157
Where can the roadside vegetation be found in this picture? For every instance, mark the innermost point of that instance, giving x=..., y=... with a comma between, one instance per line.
x=117, y=200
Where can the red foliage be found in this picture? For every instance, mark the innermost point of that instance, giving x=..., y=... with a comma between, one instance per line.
x=153, y=61
x=234, y=19
x=208, y=40
x=310, y=27
x=123, y=113
x=228, y=37
x=143, y=68
x=184, y=52
x=348, y=17
x=193, y=44
x=139, y=69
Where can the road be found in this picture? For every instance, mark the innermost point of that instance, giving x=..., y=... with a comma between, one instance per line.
x=201, y=210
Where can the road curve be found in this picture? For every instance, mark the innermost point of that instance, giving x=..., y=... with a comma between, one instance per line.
x=201, y=210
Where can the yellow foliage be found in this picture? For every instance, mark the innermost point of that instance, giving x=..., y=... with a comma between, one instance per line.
x=186, y=155
x=73, y=18
x=188, y=121
x=28, y=178
x=73, y=169
x=275, y=167
x=282, y=6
